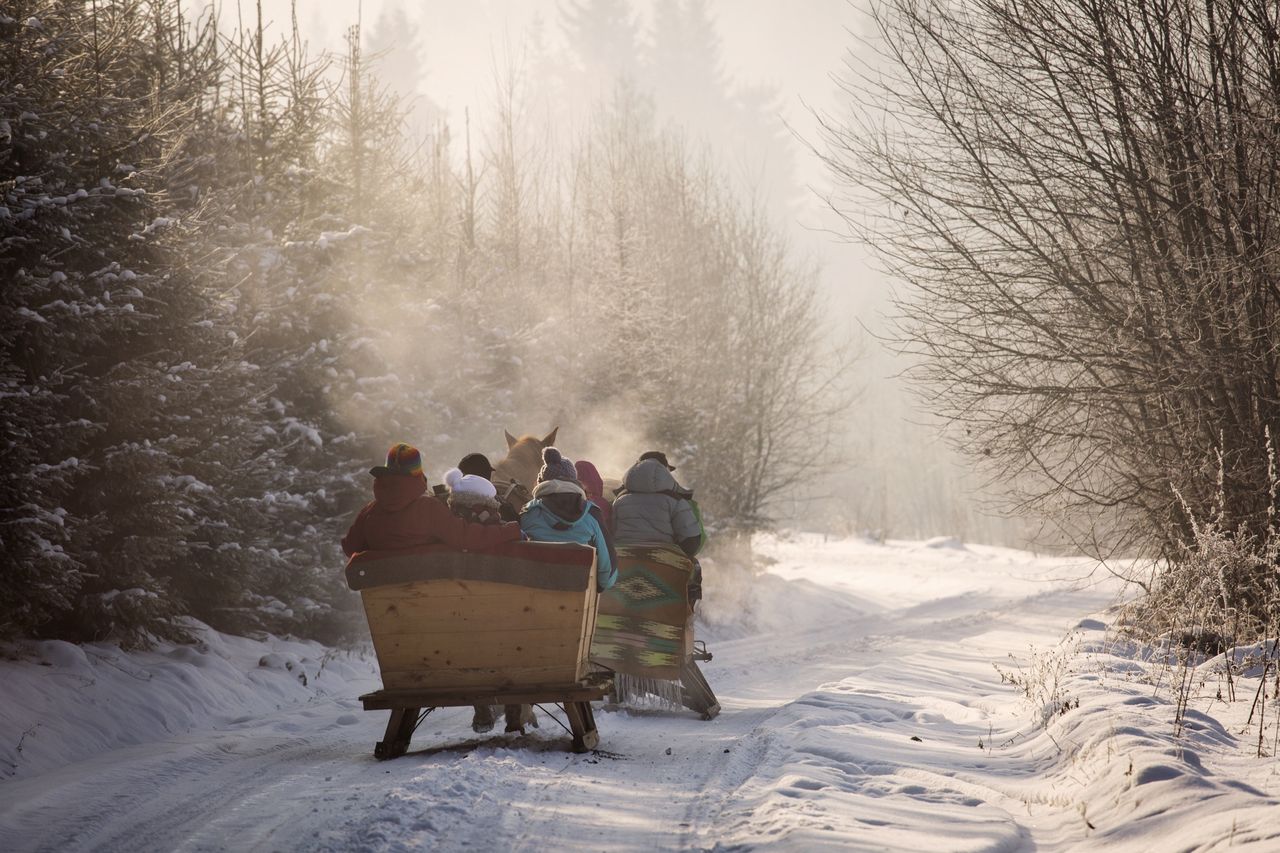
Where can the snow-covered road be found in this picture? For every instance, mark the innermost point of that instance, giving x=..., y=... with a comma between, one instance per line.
x=861, y=711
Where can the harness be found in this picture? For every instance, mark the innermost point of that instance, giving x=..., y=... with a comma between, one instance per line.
x=513, y=494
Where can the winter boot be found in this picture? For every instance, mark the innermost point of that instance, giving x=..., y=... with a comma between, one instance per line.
x=483, y=720
x=519, y=716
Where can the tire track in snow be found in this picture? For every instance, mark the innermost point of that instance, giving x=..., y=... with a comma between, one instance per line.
x=181, y=794
x=151, y=802
x=730, y=775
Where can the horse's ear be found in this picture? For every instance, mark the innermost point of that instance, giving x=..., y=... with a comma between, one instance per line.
x=511, y=439
x=551, y=438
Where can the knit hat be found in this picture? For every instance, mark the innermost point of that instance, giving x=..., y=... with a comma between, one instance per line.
x=468, y=485
x=659, y=455
x=476, y=464
x=556, y=467
x=558, y=487
x=403, y=460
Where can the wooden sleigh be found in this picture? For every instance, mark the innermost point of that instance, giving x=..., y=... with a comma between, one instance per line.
x=644, y=630
x=509, y=626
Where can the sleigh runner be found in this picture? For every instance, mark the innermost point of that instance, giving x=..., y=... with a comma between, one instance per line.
x=509, y=626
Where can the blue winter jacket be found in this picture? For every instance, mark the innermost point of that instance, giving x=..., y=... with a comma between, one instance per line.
x=542, y=525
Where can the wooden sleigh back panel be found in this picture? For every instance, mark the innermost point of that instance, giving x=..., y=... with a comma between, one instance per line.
x=518, y=617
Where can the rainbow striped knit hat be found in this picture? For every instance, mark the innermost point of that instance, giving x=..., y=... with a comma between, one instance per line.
x=403, y=460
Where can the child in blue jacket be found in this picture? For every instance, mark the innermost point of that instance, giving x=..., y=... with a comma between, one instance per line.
x=560, y=512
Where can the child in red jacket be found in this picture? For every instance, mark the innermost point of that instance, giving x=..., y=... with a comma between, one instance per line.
x=402, y=514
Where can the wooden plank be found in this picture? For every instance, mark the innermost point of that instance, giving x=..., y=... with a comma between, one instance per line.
x=404, y=698
x=447, y=633
x=466, y=649
x=587, y=627
x=448, y=586
x=697, y=692
x=448, y=594
x=582, y=726
x=562, y=566
x=487, y=678
x=518, y=611
x=395, y=742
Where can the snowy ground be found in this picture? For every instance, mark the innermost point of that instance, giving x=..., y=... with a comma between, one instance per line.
x=862, y=711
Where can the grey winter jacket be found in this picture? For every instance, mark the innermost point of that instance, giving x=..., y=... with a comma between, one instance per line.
x=653, y=508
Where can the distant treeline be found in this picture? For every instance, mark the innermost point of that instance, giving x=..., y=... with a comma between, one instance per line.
x=232, y=277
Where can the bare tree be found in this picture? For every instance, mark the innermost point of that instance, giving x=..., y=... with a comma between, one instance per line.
x=769, y=425
x=1083, y=194
x=710, y=317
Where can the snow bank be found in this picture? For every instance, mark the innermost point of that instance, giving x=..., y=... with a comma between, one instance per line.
x=1073, y=746
x=64, y=703
x=1141, y=780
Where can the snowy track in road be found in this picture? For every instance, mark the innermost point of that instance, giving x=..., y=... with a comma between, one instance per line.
x=861, y=710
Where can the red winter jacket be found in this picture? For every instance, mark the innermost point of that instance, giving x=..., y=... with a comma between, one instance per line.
x=402, y=515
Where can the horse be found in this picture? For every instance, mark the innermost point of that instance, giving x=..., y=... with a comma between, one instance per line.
x=523, y=459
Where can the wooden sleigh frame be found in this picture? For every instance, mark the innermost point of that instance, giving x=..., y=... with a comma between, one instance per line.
x=509, y=626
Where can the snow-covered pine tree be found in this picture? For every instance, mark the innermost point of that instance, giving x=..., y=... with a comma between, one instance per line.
x=684, y=70
x=604, y=44
x=104, y=329
x=394, y=43
x=41, y=575
x=273, y=219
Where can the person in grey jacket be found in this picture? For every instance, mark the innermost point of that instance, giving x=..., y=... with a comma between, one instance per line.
x=652, y=508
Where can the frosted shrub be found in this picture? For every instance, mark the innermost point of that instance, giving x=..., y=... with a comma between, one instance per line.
x=1220, y=585
x=1042, y=680
x=1219, y=588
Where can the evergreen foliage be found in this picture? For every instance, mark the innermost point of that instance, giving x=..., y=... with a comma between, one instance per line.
x=103, y=345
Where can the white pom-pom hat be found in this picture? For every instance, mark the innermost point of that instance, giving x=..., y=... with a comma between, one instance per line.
x=468, y=484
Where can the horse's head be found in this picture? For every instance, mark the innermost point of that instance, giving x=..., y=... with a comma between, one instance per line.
x=524, y=458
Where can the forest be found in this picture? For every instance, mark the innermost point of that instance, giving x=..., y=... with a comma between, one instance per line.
x=237, y=270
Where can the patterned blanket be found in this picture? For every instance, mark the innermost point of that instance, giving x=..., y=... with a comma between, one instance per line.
x=642, y=624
